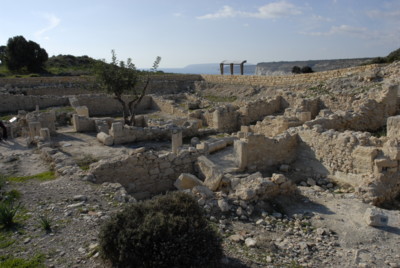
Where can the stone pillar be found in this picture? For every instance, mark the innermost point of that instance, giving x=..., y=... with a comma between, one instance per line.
x=45, y=134
x=176, y=140
x=37, y=108
x=75, y=122
x=34, y=129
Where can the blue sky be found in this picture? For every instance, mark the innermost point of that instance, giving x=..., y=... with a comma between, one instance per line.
x=186, y=32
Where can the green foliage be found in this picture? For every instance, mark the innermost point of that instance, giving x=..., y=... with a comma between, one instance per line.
x=392, y=57
x=8, y=210
x=66, y=65
x=45, y=222
x=306, y=70
x=11, y=262
x=2, y=181
x=44, y=176
x=214, y=98
x=23, y=56
x=381, y=132
x=120, y=78
x=296, y=70
x=85, y=161
x=5, y=240
x=12, y=196
x=168, y=231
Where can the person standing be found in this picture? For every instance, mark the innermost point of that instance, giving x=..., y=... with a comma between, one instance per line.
x=4, y=131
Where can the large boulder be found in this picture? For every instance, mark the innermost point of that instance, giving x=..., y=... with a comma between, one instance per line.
x=187, y=181
x=211, y=172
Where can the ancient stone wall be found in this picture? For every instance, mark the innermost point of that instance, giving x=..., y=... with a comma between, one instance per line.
x=126, y=134
x=103, y=104
x=257, y=110
x=168, y=106
x=145, y=174
x=369, y=164
x=272, y=125
x=257, y=152
x=285, y=80
x=13, y=103
x=368, y=114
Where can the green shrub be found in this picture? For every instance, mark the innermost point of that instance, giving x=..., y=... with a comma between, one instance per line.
x=45, y=222
x=36, y=261
x=8, y=210
x=12, y=196
x=169, y=231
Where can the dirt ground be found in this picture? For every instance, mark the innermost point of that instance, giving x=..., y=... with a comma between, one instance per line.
x=347, y=242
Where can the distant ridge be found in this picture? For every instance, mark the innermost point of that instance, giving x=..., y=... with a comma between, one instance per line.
x=284, y=67
x=209, y=68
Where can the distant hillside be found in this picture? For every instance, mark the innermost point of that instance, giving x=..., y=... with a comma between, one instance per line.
x=282, y=67
x=210, y=68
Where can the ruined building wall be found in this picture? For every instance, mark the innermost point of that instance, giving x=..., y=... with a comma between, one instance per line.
x=145, y=174
x=103, y=104
x=255, y=151
x=369, y=114
x=13, y=103
x=256, y=110
x=369, y=164
x=272, y=125
x=167, y=106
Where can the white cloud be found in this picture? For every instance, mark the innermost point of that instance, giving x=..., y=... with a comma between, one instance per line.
x=269, y=11
x=53, y=22
x=225, y=12
x=378, y=14
x=343, y=29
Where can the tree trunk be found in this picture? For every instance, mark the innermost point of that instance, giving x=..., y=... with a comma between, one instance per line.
x=125, y=111
x=132, y=105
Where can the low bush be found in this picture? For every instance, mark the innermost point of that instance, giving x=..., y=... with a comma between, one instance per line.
x=168, y=231
x=8, y=211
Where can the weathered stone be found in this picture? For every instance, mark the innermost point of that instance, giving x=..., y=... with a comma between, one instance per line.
x=187, y=181
x=250, y=242
x=375, y=217
x=213, y=174
x=278, y=178
x=224, y=205
x=105, y=139
x=203, y=191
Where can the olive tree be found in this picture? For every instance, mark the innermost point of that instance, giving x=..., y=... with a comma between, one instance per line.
x=122, y=78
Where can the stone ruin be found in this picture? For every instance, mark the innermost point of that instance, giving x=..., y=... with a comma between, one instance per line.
x=320, y=131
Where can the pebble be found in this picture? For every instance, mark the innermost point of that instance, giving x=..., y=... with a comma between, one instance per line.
x=250, y=242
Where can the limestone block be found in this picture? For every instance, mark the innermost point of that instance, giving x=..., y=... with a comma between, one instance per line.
x=304, y=116
x=187, y=181
x=212, y=173
x=216, y=146
x=278, y=178
x=382, y=165
x=176, y=140
x=117, y=129
x=375, y=217
x=82, y=110
x=393, y=127
x=45, y=134
x=34, y=129
x=391, y=149
x=105, y=138
x=224, y=205
x=203, y=191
